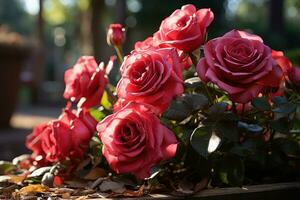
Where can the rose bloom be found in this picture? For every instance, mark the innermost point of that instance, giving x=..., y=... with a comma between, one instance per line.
x=115, y=35
x=282, y=61
x=294, y=76
x=134, y=140
x=148, y=43
x=240, y=64
x=151, y=77
x=66, y=137
x=185, y=29
x=85, y=82
x=144, y=45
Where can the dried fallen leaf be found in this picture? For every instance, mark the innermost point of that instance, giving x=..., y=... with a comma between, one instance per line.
x=138, y=193
x=95, y=173
x=109, y=185
x=48, y=179
x=32, y=189
x=6, y=167
x=40, y=172
x=130, y=193
x=83, y=164
x=66, y=195
x=12, y=179
x=201, y=185
x=20, y=158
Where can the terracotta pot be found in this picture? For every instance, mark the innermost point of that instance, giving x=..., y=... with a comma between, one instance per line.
x=12, y=58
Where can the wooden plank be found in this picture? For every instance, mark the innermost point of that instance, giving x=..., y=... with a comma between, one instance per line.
x=280, y=191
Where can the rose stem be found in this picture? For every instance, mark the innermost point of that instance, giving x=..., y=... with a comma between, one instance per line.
x=119, y=53
x=195, y=61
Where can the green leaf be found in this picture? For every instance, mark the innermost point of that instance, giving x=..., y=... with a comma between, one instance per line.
x=217, y=109
x=281, y=125
x=185, y=105
x=195, y=101
x=105, y=101
x=261, y=104
x=194, y=82
x=228, y=129
x=200, y=139
x=250, y=128
x=97, y=114
x=204, y=141
x=286, y=108
x=178, y=110
x=277, y=100
x=230, y=170
x=287, y=146
x=247, y=148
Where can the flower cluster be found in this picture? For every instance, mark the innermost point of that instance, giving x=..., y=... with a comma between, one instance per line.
x=238, y=95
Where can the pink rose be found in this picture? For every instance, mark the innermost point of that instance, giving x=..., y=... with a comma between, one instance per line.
x=66, y=137
x=85, y=82
x=144, y=45
x=185, y=29
x=134, y=140
x=51, y=141
x=151, y=77
x=294, y=75
x=240, y=64
x=149, y=44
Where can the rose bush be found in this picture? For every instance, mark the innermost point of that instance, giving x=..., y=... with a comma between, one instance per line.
x=66, y=137
x=134, y=140
x=152, y=76
x=85, y=82
x=185, y=29
x=241, y=64
x=234, y=122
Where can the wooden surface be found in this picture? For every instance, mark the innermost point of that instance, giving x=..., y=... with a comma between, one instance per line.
x=280, y=191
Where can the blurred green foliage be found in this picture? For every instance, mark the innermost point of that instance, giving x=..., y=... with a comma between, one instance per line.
x=142, y=18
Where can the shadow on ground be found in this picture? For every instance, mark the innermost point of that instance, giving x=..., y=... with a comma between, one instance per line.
x=12, y=143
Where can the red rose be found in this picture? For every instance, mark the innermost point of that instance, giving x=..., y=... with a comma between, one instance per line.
x=294, y=75
x=240, y=64
x=151, y=77
x=134, y=140
x=85, y=82
x=185, y=29
x=115, y=35
x=66, y=137
x=282, y=61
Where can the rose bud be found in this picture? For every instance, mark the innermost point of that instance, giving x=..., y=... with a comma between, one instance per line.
x=115, y=35
x=294, y=75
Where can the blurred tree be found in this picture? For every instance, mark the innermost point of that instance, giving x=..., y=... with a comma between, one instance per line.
x=276, y=19
x=13, y=15
x=97, y=9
